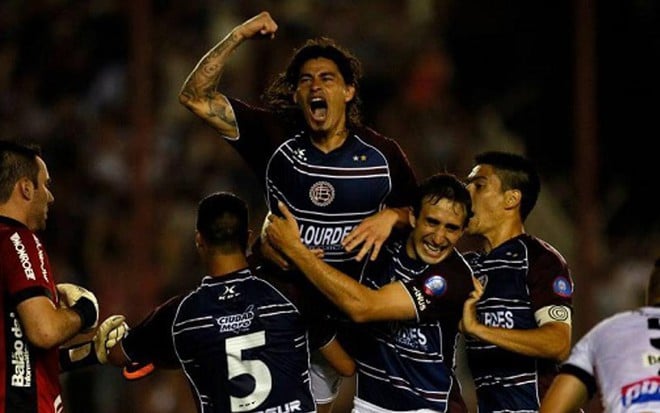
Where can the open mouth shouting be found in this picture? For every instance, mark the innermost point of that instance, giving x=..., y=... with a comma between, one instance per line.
x=318, y=109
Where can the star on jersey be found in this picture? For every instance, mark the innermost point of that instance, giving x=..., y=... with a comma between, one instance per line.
x=360, y=158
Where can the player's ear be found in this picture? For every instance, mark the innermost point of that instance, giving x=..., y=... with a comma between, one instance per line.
x=198, y=239
x=412, y=219
x=25, y=188
x=349, y=93
x=512, y=198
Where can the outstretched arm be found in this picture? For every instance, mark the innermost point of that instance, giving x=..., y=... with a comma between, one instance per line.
x=199, y=92
x=391, y=302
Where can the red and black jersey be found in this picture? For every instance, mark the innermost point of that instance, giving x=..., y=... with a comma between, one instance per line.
x=30, y=375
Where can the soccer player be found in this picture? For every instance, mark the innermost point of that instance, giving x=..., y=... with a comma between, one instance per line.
x=411, y=301
x=37, y=315
x=619, y=358
x=240, y=341
x=518, y=327
x=346, y=185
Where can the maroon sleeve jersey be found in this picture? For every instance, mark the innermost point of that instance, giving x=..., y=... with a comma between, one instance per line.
x=30, y=376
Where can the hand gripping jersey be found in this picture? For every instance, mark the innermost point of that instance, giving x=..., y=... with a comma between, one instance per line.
x=622, y=355
x=329, y=194
x=240, y=342
x=409, y=365
x=519, y=277
x=29, y=382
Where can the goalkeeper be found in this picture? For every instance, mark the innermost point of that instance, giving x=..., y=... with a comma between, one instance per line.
x=38, y=316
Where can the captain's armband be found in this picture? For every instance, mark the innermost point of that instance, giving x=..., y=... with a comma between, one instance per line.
x=553, y=313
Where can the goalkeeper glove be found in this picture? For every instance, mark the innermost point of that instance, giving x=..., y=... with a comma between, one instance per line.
x=111, y=331
x=82, y=301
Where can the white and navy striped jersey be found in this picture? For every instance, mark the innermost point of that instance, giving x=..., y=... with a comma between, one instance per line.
x=328, y=193
x=520, y=277
x=621, y=357
x=240, y=342
x=409, y=365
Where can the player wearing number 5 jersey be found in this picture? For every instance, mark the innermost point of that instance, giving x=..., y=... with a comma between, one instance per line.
x=240, y=341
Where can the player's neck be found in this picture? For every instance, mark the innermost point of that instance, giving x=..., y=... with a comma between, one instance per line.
x=223, y=264
x=502, y=233
x=328, y=142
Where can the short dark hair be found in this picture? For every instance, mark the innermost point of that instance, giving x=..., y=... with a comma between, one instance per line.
x=443, y=186
x=222, y=220
x=278, y=96
x=515, y=172
x=17, y=161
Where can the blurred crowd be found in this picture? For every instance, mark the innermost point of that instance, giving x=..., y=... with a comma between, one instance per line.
x=67, y=81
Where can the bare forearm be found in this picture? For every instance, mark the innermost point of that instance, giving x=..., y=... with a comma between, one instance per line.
x=548, y=341
x=342, y=290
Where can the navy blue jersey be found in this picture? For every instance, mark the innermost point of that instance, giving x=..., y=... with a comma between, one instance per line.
x=520, y=277
x=328, y=194
x=241, y=343
x=409, y=365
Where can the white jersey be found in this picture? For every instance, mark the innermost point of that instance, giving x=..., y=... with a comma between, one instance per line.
x=622, y=355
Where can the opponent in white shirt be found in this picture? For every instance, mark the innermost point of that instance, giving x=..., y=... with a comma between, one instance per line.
x=620, y=357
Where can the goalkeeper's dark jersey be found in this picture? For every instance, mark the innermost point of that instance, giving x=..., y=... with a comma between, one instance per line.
x=409, y=365
x=328, y=194
x=519, y=277
x=241, y=343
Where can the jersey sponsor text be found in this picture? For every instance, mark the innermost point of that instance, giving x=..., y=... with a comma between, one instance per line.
x=328, y=237
x=23, y=256
x=20, y=356
x=236, y=322
x=502, y=319
x=290, y=407
x=646, y=390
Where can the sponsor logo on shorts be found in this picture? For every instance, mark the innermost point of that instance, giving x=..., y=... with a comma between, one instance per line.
x=643, y=391
x=562, y=287
x=322, y=193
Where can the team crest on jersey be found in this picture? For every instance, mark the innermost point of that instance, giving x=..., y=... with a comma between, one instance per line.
x=322, y=193
x=562, y=287
x=435, y=285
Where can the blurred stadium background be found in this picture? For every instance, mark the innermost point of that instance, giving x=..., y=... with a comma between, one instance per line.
x=572, y=84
